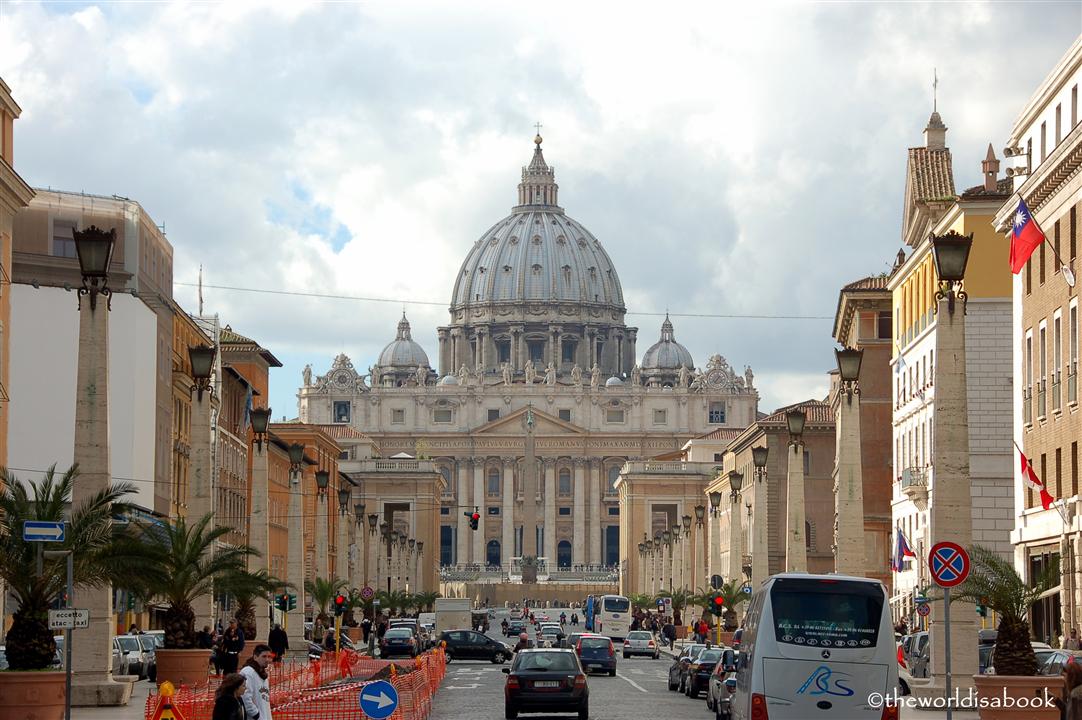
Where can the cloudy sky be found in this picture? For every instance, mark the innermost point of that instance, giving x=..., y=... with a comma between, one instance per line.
x=735, y=160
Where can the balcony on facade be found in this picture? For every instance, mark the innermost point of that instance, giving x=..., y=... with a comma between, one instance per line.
x=914, y=484
x=389, y=465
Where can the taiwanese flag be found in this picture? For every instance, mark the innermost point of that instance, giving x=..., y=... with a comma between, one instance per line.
x=1026, y=235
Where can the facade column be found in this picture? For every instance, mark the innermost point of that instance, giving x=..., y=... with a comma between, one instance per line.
x=355, y=557
x=559, y=349
x=578, y=517
x=482, y=352
x=259, y=532
x=713, y=558
x=507, y=542
x=201, y=490
x=341, y=549
x=371, y=546
x=796, y=551
x=594, y=506
x=296, y=573
x=462, y=497
x=736, y=567
x=849, y=489
x=322, y=546
x=632, y=360
x=550, y=511
x=445, y=352
x=478, y=500
x=760, y=551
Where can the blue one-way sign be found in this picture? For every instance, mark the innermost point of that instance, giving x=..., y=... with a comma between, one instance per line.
x=379, y=699
x=43, y=531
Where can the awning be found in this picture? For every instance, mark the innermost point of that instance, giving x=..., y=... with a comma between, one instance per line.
x=1050, y=592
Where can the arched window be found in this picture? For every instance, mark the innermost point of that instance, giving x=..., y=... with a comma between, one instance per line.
x=614, y=473
x=493, y=482
x=563, y=554
x=492, y=552
x=565, y=482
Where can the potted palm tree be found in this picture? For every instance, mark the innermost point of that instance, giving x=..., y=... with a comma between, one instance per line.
x=245, y=589
x=179, y=563
x=995, y=583
x=323, y=591
x=30, y=688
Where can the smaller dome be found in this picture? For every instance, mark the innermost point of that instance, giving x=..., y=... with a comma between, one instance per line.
x=666, y=353
x=613, y=382
x=403, y=351
x=448, y=380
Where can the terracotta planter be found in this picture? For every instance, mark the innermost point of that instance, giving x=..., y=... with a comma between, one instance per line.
x=31, y=695
x=183, y=667
x=681, y=632
x=992, y=689
x=355, y=634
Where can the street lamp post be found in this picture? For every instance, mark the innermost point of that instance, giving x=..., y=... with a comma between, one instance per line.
x=700, y=513
x=667, y=539
x=295, y=553
x=259, y=527
x=371, y=559
x=760, y=556
x=796, y=551
x=201, y=492
x=685, y=552
x=323, y=480
x=642, y=568
x=712, y=555
x=93, y=683
x=949, y=515
x=736, y=481
x=341, y=547
x=849, y=538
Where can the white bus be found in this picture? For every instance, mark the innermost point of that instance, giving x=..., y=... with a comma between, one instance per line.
x=816, y=646
x=612, y=616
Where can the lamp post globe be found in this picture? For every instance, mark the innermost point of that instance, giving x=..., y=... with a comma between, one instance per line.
x=795, y=420
x=759, y=456
x=260, y=420
x=736, y=481
x=849, y=363
x=700, y=513
x=951, y=255
x=296, y=455
x=323, y=479
x=343, y=498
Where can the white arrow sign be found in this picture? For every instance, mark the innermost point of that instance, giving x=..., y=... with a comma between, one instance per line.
x=382, y=700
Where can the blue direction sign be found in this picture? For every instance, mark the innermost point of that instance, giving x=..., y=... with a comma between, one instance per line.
x=949, y=563
x=43, y=531
x=378, y=699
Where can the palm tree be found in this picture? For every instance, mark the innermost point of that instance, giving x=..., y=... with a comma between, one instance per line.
x=640, y=600
x=246, y=588
x=393, y=600
x=425, y=600
x=995, y=583
x=89, y=533
x=179, y=563
x=680, y=599
x=734, y=595
x=323, y=592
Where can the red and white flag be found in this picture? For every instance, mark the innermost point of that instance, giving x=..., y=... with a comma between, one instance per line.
x=1029, y=477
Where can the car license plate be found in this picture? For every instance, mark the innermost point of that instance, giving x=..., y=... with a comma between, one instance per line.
x=593, y=664
x=547, y=683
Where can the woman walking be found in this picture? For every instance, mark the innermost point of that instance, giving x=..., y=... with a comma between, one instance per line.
x=227, y=702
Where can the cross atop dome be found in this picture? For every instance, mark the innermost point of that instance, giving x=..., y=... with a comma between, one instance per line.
x=538, y=187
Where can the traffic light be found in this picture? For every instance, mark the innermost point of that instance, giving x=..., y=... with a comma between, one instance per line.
x=282, y=602
x=717, y=603
x=982, y=607
x=339, y=604
x=474, y=517
x=292, y=601
x=131, y=601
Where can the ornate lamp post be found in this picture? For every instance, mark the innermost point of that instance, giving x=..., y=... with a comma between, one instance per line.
x=667, y=539
x=686, y=552
x=848, y=480
x=951, y=255
x=796, y=551
x=323, y=480
x=697, y=570
x=296, y=572
x=760, y=557
x=642, y=567
x=259, y=522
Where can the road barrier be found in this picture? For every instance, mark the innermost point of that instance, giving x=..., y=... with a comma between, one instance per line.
x=328, y=689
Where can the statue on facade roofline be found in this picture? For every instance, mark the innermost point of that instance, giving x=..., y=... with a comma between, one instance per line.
x=463, y=375
x=373, y=375
x=595, y=376
x=422, y=375
x=529, y=372
x=636, y=376
x=505, y=368
x=550, y=375
x=576, y=375
x=684, y=376
x=307, y=375
x=749, y=376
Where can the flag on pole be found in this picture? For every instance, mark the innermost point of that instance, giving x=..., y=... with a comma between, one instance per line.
x=248, y=409
x=902, y=550
x=1026, y=235
x=1029, y=477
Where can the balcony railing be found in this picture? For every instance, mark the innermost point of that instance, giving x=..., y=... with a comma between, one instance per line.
x=1042, y=407
x=1027, y=406
x=914, y=484
x=390, y=465
x=668, y=467
x=1055, y=392
x=1072, y=385
x=913, y=477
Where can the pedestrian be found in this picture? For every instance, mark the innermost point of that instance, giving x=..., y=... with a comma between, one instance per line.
x=1072, y=643
x=233, y=644
x=133, y=630
x=366, y=628
x=668, y=631
x=227, y=701
x=1070, y=704
x=523, y=642
x=217, y=655
x=256, y=695
x=278, y=641
x=574, y=618
x=204, y=640
x=329, y=640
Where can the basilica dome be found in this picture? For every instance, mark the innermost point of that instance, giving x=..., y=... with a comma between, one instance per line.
x=538, y=254
x=666, y=353
x=403, y=351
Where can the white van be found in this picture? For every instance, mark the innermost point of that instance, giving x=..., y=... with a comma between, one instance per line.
x=816, y=646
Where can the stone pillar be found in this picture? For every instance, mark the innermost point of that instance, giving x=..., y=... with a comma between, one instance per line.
x=201, y=490
x=479, y=501
x=588, y=474
x=849, y=489
x=462, y=495
x=760, y=552
x=322, y=551
x=578, y=518
x=445, y=353
x=550, y=511
x=559, y=349
x=950, y=511
x=92, y=678
x=355, y=558
x=507, y=541
x=713, y=557
x=371, y=568
x=341, y=549
x=482, y=351
x=259, y=533
x=632, y=334
x=796, y=551
x=736, y=570
x=296, y=572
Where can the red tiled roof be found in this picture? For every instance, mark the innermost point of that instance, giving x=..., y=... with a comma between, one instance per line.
x=1004, y=188
x=817, y=411
x=872, y=282
x=721, y=434
x=338, y=431
x=931, y=174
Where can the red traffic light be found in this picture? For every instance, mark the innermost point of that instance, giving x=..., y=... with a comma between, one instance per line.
x=475, y=516
x=719, y=600
x=340, y=600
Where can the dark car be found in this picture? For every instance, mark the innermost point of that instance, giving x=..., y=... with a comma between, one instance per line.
x=680, y=664
x=472, y=645
x=316, y=650
x=546, y=681
x=515, y=627
x=398, y=641
x=697, y=674
x=719, y=692
x=596, y=653
x=572, y=640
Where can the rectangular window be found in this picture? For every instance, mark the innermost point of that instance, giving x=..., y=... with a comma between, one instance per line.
x=493, y=414
x=1074, y=468
x=614, y=510
x=569, y=347
x=1044, y=468
x=1058, y=491
x=565, y=511
x=398, y=417
x=341, y=411
x=565, y=415
x=1072, y=352
x=660, y=417
x=536, y=348
x=493, y=482
x=1044, y=141
x=64, y=239
x=494, y=510
x=1029, y=275
x=503, y=350
x=717, y=413
x=1055, y=245
x=1059, y=123
x=1042, y=368
x=614, y=416
x=564, y=483
x=1027, y=390
x=1057, y=358
x=445, y=511
x=1074, y=106
x=807, y=461
x=885, y=322
x=344, y=455
x=442, y=416
x=717, y=457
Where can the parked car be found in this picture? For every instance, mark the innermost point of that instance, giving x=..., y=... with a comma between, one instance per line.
x=596, y=653
x=1059, y=659
x=150, y=658
x=736, y=638
x=1042, y=651
x=680, y=663
x=722, y=684
x=641, y=642
x=515, y=627
x=133, y=661
x=398, y=641
x=472, y=645
x=546, y=681
x=697, y=674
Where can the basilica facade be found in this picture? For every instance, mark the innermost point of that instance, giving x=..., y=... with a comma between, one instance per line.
x=538, y=397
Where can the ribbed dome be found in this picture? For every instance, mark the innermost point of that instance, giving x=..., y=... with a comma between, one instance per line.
x=667, y=354
x=537, y=253
x=403, y=351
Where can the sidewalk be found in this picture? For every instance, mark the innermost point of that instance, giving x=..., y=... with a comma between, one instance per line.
x=132, y=711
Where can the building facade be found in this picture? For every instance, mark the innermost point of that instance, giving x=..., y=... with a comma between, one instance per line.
x=1046, y=145
x=539, y=386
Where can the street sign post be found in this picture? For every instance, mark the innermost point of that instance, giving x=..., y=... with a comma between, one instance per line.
x=367, y=593
x=716, y=582
x=43, y=531
x=924, y=609
x=949, y=565
x=379, y=699
x=69, y=618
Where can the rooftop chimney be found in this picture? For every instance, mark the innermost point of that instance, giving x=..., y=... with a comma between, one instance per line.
x=990, y=168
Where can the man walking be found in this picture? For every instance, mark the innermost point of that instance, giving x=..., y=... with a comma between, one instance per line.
x=278, y=641
x=233, y=644
x=256, y=697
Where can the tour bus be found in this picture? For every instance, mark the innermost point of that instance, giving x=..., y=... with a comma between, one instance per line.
x=608, y=615
x=816, y=646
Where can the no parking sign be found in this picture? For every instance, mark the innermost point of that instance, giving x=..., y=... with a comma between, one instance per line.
x=949, y=564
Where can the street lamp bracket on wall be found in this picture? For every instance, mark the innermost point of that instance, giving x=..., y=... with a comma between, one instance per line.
x=94, y=248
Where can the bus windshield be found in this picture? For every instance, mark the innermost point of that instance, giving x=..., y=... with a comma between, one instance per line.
x=616, y=604
x=833, y=613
